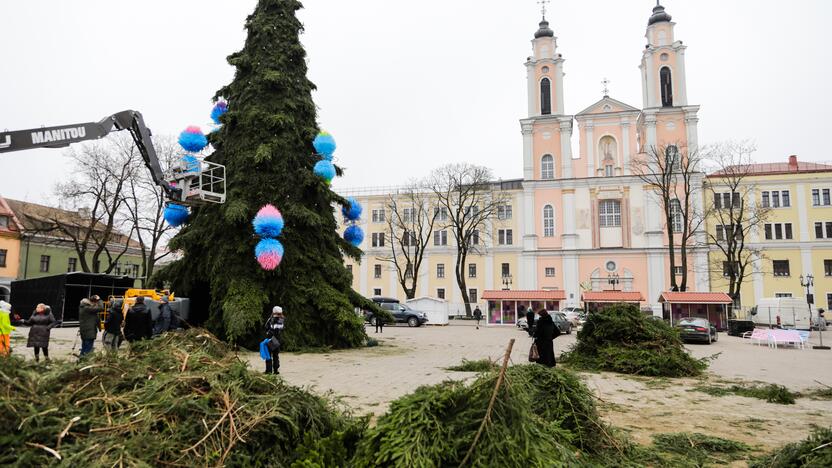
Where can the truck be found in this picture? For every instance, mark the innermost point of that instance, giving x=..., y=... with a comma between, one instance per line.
x=783, y=312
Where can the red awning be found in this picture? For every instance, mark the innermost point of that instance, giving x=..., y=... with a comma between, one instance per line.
x=695, y=298
x=612, y=296
x=520, y=295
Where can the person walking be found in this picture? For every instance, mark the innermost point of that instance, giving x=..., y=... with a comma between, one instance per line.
x=164, y=320
x=42, y=322
x=6, y=328
x=274, y=331
x=544, y=335
x=88, y=322
x=529, y=318
x=138, y=324
x=379, y=324
x=478, y=316
x=112, y=330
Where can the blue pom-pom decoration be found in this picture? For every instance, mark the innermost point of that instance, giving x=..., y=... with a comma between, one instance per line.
x=193, y=140
x=324, y=145
x=354, y=235
x=176, y=215
x=269, y=253
x=325, y=170
x=268, y=222
x=220, y=108
x=191, y=163
x=353, y=210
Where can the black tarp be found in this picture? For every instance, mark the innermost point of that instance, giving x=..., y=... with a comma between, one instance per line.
x=64, y=292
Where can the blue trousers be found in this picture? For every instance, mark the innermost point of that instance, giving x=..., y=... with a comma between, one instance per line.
x=86, y=346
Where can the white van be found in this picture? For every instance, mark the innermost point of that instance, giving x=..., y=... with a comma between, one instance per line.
x=793, y=312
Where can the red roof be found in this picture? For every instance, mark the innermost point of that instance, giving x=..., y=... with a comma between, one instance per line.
x=527, y=295
x=612, y=296
x=695, y=298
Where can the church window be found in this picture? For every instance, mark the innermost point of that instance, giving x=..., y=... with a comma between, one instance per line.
x=547, y=167
x=610, y=213
x=548, y=221
x=666, y=84
x=608, y=170
x=676, y=214
x=545, y=96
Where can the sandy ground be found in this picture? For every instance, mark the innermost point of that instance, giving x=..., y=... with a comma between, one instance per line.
x=368, y=379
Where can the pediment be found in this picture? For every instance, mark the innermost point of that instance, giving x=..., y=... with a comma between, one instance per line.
x=607, y=105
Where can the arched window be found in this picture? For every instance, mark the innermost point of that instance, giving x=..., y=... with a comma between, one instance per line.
x=547, y=167
x=609, y=213
x=673, y=159
x=548, y=221
x=545, y=96
x=666, y=84
x=676, y=214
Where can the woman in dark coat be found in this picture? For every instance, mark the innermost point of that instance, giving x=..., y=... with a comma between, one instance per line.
x=544, y=334
x=138, y=325
x=42, y=322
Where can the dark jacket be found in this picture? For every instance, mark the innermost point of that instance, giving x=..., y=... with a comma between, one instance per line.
x=88, y=319
x=138, y=324
x=477, y=313
x=530, y=318
x=164, y=320
x=544, y=333
x=113, y=323
x=42, y=325
x=274, y=331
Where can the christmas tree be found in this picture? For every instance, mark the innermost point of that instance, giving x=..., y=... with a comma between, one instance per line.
x=265, y=142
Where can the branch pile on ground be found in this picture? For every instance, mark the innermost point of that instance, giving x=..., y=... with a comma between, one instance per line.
x=541, y=417
x=620, y=338
x=183, y=399
x=814, y=451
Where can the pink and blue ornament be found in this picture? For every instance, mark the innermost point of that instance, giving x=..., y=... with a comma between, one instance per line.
x=192, y=139
x=269, y=222
x=176, y=215
x=324, y=145
x=354, y=235
x=220, y=108
x=191, y=163
x=352, y=210
x=325, y=170
x=269, y=253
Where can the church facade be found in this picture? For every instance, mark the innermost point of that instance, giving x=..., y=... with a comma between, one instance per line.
x=577, y=222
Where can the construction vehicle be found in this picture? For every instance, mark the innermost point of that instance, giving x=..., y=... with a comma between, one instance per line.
x=152, y=299
x=185, y=184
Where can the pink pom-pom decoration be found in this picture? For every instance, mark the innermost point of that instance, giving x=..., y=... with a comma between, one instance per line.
x=269, y=253
x=268, y=222
x=192, y=139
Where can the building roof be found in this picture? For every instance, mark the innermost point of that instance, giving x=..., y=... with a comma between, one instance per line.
x=793, y=166
x=615, y=105
x=14, y=227
x=695, y=298
x=658, y=15
x=524, y=295
x=612, y=296
x=544, y=30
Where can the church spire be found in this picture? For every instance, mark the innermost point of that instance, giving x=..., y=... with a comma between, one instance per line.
x=543, y=27
x=658, y=15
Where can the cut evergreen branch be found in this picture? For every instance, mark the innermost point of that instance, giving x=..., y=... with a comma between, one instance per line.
x=814, y=451
x=620, y=338
x=694, y=449
x=479, y=365
x=771, y=393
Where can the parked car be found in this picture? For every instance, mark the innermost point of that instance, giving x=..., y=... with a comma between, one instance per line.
x=697, y=329
x=563, y=324
x=402, y=313
x=575, y=315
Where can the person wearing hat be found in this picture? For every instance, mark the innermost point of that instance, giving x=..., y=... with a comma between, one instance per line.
x=164, y=320
x=274, y=330
x=6, y=328
x=88, y=322
x=138, y=325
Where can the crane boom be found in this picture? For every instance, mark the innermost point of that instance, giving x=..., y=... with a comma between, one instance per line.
x=183, y=187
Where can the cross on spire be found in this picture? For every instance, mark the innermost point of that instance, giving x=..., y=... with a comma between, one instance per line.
x=542, y=4
x=605, y=82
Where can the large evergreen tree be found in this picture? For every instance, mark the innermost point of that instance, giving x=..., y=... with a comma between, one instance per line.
x=265, y=143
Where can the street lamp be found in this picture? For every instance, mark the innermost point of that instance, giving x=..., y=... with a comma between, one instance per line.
x=506, y=282
x=807, y=282
x=613, y=279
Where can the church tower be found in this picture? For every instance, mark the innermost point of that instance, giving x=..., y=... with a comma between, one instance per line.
x=667, y=118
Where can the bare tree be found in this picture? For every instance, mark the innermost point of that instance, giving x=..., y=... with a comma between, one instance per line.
x=97, y=192
x=145, y=206
x=734, y=212
x=466, y=192
x=410, y=227
x=673, y=175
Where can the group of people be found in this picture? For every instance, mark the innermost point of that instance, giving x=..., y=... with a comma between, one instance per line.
x=137, y=324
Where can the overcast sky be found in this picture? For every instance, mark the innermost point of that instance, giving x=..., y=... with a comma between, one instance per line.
x=407, y=86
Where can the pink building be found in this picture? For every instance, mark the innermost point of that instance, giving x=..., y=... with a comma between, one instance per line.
x=589, y=223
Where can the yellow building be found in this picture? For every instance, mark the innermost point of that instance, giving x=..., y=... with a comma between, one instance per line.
x=492, y=260
x=793, y=238
x=10, y=230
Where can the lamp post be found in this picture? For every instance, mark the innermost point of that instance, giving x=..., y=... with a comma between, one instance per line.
x=613, y=279
x=506, y=282
x=807, y=282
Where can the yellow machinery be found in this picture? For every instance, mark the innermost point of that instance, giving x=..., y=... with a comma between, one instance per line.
x=129, y=299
